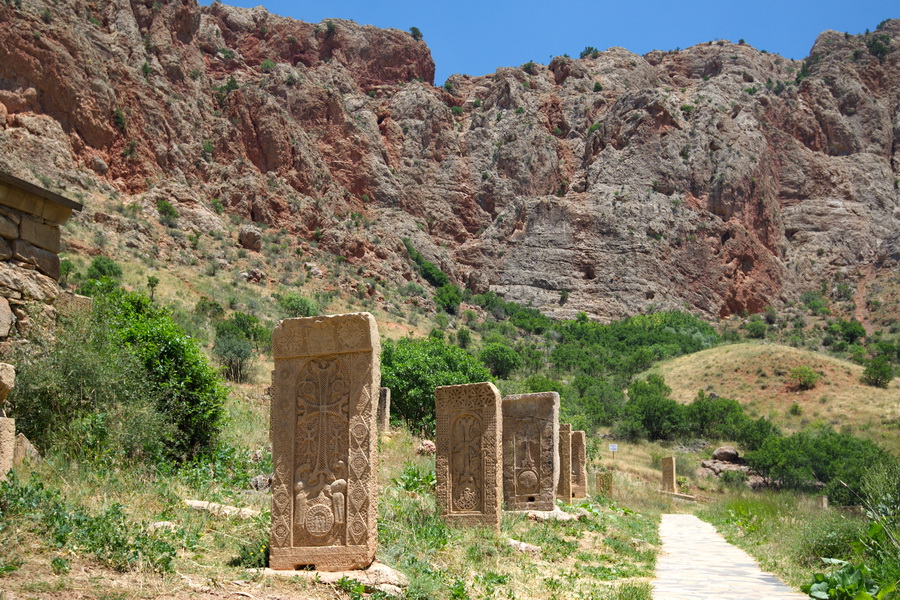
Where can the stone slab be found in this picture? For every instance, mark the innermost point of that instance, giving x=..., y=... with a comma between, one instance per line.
x=41, y=234
x=16, y=282
x=7, y=380
x=469, y=455
x=530, y=451
x=384, y=409
x=579, y=465
x=375, y=577
x=8, y=229
x=324, y=434
x=25, y=451
x=668, y=475
x=564, y=487
x=7, y=446
x=7, y=320
x=47, y=262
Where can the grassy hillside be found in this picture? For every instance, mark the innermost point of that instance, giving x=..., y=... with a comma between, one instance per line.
x=758, y=376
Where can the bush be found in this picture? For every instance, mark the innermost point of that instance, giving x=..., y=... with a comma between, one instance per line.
x=428, y=270
x=804, y=377
x=878, y=373
x=267, y=66
x=756, y=327
x=413, y=368
x=186, y=388
x=168, y=215
x=235, y=354
x=102, y=266
x=448, y=298
x=416, y=33
x=649, y=406
x=500, y=359
x=294, y=305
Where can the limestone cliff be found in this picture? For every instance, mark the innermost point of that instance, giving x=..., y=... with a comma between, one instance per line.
x=718, y=177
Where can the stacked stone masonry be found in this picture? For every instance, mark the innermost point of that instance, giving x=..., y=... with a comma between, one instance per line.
x=30, y=241
x=324, y=435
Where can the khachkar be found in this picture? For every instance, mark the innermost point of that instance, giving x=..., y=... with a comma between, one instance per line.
x=579, y=465
x=325, y=389
x=469, y=458
x=564, y=487
x=384, y=409
x=668, y=475
x=530, y=451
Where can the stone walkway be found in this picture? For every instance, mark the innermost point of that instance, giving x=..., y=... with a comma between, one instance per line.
x=696, y=563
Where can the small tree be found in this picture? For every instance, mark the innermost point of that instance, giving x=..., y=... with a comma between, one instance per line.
x=500, y=359
x=152, y=282
x=804, y=377
x=234, y=353
x=294, y=305
x=416, y=33
x=878, y=373
x=448, y=298
x=756, y=327
x=168, y=215
x=102, y=266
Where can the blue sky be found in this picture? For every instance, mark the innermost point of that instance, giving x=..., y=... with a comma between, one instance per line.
x=475, y=38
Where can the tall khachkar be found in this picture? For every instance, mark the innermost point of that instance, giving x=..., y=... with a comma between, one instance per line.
x=325, y=394
x=530, y=451
x=579, y=465
x=564, y=487
x=469, y=459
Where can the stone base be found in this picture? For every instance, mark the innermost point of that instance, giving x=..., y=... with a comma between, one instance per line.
x=377, y=576
x=331, y=559
x=556, y=514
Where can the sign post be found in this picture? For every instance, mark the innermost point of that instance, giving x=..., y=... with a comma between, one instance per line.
x=614, y=448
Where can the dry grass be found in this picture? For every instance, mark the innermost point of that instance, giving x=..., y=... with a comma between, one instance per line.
x=758, y=376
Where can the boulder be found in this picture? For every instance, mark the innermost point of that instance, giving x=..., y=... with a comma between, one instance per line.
x=250, y=238
x=726, y=454
x=7, y=318
x=25, y=450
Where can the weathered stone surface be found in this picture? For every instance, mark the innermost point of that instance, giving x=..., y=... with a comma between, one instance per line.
x=8, y=229
x=668, y=475
x=7, y=318
x=384, y=409
x=7, y=445
x=324, y=435
x=469, y=454
x=25, y=450
x=5, y=250
x=47, y=262
x=40, y=234
x=531, y=451
x=222, y=510
x=7, y=381
x=250, y=238
x=564, y=487
x=726, y=454
x=579, y=465
x=604, y=484
x=376, y=577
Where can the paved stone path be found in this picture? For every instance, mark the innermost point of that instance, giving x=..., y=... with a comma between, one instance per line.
x=696, y=563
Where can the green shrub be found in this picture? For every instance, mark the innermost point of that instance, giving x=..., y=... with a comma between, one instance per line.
x=804, y=377
x=416, y=33
x=235, y=354
x=448, y=298
x=119, y=120
x=168, y=214
x=830, y=535
x=267, y=66
x=429, y=271
x=756, y=327
x=413, y=368
x=456, y=110
x=102, y=266
x=463, y=338
x=500, y=359
x=734, y=479
x=878, y=373
x=294, y=305
x=417, y=479
x=253, y=553
x=598, y=87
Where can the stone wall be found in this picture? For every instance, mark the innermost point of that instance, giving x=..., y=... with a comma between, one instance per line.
x=30, y=242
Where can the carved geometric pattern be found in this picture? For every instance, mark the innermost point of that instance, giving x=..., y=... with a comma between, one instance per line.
x=326, y=369
x=469, y=478
x=530, y=451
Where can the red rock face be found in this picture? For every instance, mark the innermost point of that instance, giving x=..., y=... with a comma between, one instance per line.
x=719, y=177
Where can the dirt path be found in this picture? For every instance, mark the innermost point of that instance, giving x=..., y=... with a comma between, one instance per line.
x=697, y=563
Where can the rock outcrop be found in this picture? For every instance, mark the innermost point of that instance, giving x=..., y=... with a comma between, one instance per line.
x=718, y=177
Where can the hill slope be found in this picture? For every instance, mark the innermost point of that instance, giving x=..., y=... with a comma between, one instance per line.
x=718, y=177
x=758, y=376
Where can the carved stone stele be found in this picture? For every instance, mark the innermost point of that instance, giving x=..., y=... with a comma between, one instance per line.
x=469, y=459
x=668, y=475
x=325, y=392
x=384, y=409
x=579, y=465
x=530, y=451
x=564, y=488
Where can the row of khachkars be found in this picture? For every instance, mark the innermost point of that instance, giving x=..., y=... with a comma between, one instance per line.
x=325, y=400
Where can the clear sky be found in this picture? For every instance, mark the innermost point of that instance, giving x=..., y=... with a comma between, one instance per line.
x=476, y=37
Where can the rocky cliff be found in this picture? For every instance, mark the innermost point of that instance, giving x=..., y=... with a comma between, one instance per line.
x=719, y=177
